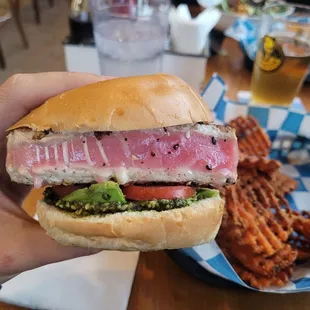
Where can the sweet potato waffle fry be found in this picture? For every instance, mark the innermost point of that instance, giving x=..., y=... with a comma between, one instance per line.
x=301, y=223
x=258, y=225
x=283, y=184
x=256, y=234
x=260, y=163
x=302, y=245
x=260, y=282
x=252, y=140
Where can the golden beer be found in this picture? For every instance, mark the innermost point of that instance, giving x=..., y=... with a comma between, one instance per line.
x=281, y=65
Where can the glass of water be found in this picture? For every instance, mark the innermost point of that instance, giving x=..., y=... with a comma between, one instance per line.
x=130, y=35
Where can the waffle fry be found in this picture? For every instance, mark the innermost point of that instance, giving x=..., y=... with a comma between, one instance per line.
x=260, y=235
x=260, y=163
x=254, y=235
x=283, y=184
x=253, y=203
x=257, y=280
x=302, y=247
x=260, y=265
x=252, y=140
x=260, y=282
x=301, y=224
x=269, y=266
x=303, y=255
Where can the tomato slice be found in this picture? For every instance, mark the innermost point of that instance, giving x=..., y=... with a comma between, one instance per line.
x=137, y=192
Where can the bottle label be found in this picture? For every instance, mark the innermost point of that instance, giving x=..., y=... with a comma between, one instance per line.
x=270, y=55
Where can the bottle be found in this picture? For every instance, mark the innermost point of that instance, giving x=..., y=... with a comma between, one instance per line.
x=80, y=23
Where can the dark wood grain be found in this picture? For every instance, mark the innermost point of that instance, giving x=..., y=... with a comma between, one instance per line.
x=160, y=284
x=4, y=306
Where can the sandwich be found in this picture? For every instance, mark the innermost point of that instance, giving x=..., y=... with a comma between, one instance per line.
x=128, y=164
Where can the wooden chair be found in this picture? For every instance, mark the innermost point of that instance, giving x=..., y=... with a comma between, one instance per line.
x=15, y=13
x=36, y=8
x=15, y=10
x=5, y=15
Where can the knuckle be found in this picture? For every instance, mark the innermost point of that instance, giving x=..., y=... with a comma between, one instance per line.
x=13, y=80
x=11, y=86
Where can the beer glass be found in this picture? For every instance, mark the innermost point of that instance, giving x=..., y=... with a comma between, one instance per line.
x=283, y=54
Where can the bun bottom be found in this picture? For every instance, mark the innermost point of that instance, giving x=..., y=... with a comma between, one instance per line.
x=132, y=231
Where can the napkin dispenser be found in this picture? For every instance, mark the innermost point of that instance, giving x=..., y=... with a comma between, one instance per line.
x=190, y=35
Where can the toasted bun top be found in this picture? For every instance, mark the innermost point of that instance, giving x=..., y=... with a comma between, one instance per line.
x=130, y=103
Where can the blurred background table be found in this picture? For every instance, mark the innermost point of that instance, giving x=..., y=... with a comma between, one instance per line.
x=159, y=283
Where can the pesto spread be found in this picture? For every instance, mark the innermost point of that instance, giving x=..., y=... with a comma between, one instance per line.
x=107, y=198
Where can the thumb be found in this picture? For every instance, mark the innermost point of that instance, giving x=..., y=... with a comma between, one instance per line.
x=21, y=93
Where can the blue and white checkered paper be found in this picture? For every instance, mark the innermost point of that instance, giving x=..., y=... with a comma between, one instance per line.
x=245, y=31
x=289, y=131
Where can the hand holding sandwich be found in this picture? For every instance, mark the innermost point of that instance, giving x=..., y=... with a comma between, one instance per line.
x=129, y=163
x=24, y=244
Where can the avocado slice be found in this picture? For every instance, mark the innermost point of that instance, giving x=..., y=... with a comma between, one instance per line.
x=207, y=193
x=98, y=193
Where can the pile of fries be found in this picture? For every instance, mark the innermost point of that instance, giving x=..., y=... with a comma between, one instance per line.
x=262, y=237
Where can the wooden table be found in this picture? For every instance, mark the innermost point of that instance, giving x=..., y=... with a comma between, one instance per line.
x=160, y=284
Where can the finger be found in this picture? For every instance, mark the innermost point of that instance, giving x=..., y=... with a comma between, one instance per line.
x=21, y=93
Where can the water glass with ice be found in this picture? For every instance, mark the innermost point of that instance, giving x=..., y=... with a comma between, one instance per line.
x=130, y=35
